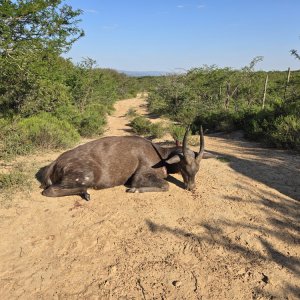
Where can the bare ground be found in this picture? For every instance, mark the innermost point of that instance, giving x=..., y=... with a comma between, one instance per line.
x=235, y=237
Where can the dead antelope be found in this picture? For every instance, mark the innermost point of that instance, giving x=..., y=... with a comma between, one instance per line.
x=126, y=160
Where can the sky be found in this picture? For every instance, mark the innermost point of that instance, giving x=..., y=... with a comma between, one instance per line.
x=175, y=35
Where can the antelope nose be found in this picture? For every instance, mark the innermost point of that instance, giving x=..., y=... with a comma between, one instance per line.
x=190, y=186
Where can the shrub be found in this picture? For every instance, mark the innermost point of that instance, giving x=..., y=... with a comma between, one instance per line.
x=287, y=132
x=46, y=131
x=131, y=113
x=274, y=127
x=177, y=132
x=140, y=125
x=68, y=113
x=143, y=126
x=93, y=120
x=45, y=96
x=157, y=130
x=3, y=123
x=13, y=142
x=217, y=121
x=42, y=131
x=14, y=179
x=89, y=123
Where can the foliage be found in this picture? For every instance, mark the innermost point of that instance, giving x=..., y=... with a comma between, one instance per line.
x=131, y=113
x=93, y=120
x=217, y=120
x=279, y=127
x=46, y=100
x=175, y=99
x=177, y=132
x=294, y=52
x=37, y=24
x=45, y=131
x=41, y=131
x=157, y=130
x=14, y=179
x=69, y=113
x=143, y=126
x=227, y=100
x=140, y=125
x=287, y=132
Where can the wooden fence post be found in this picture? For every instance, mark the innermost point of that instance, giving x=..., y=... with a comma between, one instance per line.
x=287, y=83
x=265, y=92
x=227, y=96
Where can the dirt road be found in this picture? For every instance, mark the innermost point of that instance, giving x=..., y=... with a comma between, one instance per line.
x=235, y=237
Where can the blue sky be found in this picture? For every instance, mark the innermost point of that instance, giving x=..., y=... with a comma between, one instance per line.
x=169, y=35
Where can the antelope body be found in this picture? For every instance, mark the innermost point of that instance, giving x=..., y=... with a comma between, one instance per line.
x=113, y=161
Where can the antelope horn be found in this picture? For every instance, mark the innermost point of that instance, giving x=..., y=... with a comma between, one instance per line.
x=201, y=151
x=184, y=142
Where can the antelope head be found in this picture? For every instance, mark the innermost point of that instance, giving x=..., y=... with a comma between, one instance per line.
x=188, y=161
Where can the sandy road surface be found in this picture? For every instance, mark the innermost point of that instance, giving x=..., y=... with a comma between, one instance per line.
x=235, y=237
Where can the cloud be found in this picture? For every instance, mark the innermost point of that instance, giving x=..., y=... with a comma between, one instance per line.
x=200, y=6
x=180, y=6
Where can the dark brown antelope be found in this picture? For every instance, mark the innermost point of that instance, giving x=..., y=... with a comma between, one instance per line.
x=113, y=161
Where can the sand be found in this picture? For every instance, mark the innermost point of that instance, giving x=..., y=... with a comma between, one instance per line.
x=235, y=237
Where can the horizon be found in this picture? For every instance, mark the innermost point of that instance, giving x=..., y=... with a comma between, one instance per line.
x=174, y=36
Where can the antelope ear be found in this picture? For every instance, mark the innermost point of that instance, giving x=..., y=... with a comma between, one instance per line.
x=208, y=155
x=173, y=160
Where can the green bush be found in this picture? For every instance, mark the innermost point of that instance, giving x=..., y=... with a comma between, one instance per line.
x=89, y=123
x=131, y=113
x=45, y=96
x=14, y=179
x=217, y=121
x=42, y=131
x=177, y=132
x=46, y=131
x=140, y=125
x=93, y=120
x=287, y=132
x=157, y=130
x=276, y=126
x=143, y=126
x=13, y=142
x=69, y=113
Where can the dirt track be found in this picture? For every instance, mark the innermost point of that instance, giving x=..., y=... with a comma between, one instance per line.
x=236, y=237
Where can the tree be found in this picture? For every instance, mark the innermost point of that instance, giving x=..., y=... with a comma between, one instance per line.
x=33, y=34
x=249, y=84
x=37, y=24
x=295, y=53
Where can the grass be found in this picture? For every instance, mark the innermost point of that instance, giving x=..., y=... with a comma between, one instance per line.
x=19, y=178
x=131, y=113
x=14, y=179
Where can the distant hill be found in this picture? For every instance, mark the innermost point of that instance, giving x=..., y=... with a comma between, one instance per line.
x=143, y=73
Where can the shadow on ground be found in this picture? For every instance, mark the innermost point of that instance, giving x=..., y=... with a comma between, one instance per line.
x=275, y=168
x=262, y=241
x=215, y=236
x=175, y=181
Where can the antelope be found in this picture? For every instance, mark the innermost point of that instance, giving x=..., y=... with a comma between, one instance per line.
x=127, y=160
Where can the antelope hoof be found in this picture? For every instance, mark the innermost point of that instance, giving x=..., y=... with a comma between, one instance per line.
x=132, y=190
x=86, y=196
